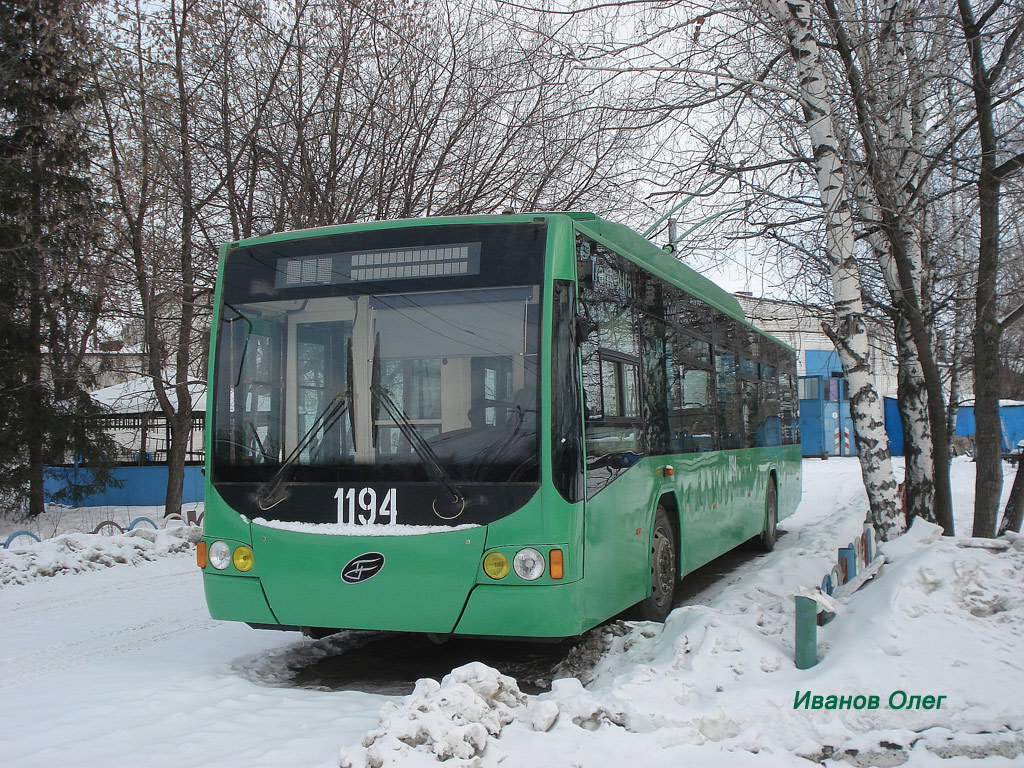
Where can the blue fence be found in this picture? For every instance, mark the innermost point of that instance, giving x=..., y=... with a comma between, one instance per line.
x=893, y=426
x=1011, y=416
x=141, y=486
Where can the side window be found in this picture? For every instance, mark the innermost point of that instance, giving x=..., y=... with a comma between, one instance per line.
x=769, y=432
x=749, y=375
x=566, y=437
x=691, y=394
x=727, y=367
x=610, y=356
x=654, y=334
x=789, y=405
x=751, y=389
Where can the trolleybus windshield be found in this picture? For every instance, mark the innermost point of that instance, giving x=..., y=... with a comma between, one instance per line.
x=397, y=355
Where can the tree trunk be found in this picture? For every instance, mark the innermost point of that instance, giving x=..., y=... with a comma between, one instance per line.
x=179, y=426
x=917, y=433
x=953, y=406
x=181, y=420
x=35, y=428
x=850, y=332
x=987, y=332
x=1015, y=505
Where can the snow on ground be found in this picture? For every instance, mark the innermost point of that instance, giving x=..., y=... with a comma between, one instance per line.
x=58, y=519
x=124, y=667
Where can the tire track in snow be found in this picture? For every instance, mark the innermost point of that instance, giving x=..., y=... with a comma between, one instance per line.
x=140, y=606
x=25, y=609
x=60, y=657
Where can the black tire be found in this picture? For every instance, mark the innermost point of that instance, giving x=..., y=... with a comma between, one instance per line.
x=664, y=572
x=769, y=535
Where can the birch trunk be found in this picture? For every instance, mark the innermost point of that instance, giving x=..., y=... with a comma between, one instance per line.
x=850, y=332
x=892, y=160
x=917, y=433
x=912, y=393
x=899, y=145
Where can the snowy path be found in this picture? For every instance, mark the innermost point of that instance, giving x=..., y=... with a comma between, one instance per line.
x=125, y=667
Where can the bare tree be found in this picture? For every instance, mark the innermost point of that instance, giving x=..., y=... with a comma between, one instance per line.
x=225, y=119
x=850, y=334
x=993, y=44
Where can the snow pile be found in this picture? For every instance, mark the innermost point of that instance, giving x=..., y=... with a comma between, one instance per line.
x=451, y=721
x=77, y=552
x=723, y=676
x=717, y=682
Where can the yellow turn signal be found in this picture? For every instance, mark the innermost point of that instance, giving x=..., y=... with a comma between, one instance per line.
x=201, y=554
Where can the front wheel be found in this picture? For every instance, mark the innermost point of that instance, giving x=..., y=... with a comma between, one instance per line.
x=664, y=572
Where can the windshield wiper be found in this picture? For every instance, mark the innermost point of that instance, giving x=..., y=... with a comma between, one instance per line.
x=274, y=491
x=423, y=451
x=426, y=455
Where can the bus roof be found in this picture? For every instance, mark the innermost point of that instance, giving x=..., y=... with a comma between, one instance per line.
x=624, y=240
x=618, y=237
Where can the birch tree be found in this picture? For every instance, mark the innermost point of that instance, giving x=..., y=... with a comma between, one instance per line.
x=894, y=159
x=850, y=331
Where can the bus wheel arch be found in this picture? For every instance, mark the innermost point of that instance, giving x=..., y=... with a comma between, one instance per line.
x=671, y=506
x=765, y=541
x=664, y=564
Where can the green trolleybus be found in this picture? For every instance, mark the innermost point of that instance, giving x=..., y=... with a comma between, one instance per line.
x=516, y=425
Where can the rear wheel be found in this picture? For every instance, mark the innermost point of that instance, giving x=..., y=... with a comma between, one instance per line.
x=766, y=541
x=664, y=572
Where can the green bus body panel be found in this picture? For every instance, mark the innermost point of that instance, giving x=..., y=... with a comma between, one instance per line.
x=236, y=598
x=720, y=498
x=535, y=611
x=422, y=587
x=616, y=559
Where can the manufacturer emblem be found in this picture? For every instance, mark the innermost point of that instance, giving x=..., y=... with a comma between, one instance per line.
x=363, y=567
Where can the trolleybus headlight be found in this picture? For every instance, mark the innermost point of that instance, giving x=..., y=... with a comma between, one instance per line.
x=242, y=558
x=528, y=564
x=496, y=565
x=220, y=555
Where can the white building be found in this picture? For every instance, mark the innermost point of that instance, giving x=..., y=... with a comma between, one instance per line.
x=799, y=325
